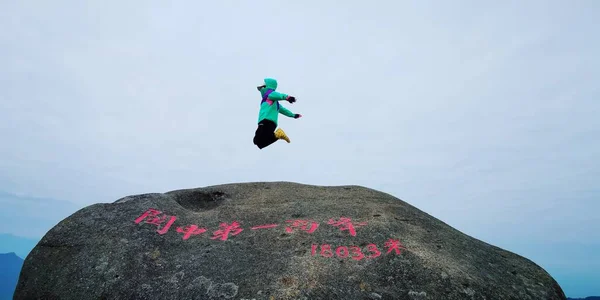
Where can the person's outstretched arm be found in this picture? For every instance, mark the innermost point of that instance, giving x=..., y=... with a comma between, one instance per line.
x=286, y=112
x=277, y=96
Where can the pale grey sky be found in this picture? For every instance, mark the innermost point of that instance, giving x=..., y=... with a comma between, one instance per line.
x=483, y=114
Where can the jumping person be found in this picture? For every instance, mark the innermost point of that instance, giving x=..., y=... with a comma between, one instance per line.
x=270, y=108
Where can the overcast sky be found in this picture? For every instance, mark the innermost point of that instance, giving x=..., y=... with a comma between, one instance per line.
x=484, y=114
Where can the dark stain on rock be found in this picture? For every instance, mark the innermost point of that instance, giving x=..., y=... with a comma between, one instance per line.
x=287, y=281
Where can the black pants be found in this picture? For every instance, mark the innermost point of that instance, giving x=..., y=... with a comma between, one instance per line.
x=265, y=134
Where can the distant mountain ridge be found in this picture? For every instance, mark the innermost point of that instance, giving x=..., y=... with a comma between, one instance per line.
x=32, y=217
x=9, y=274
x=19, y=245
x=586, y=298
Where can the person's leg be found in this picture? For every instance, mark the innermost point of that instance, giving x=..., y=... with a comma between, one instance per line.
x=261, y=137
x=265, y=134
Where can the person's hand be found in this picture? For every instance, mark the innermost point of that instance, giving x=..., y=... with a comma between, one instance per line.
x=291, y=99
x=296, y=116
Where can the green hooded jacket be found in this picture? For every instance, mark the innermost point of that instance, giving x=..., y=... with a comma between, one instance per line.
x=271, y=111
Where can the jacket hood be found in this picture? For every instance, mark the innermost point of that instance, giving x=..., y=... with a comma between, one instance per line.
x=271, y=83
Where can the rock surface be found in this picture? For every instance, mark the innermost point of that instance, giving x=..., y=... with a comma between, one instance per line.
x=271, y=241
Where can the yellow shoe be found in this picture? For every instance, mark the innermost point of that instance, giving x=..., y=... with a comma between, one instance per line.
x=281, y=135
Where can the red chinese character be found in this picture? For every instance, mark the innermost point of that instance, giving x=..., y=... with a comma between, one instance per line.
x=152, y=213
x=167, y=226
x=152, y=217
x=227, y=230
x=302, y=224
x=264, y=226
x=346, y=224
x=190, y=230
x=394, y=245
x=156, y=220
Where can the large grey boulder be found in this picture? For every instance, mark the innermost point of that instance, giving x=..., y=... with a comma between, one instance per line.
x=271, y=241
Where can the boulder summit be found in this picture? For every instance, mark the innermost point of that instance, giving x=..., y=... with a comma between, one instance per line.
x=271, y=241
